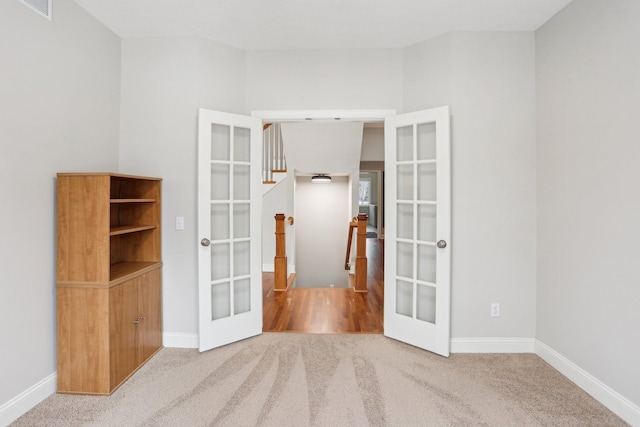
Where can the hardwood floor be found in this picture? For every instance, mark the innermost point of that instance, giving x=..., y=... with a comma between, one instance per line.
x=328, y=310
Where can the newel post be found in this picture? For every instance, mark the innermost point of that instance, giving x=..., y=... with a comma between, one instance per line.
x=280, y=260
x=361, y=254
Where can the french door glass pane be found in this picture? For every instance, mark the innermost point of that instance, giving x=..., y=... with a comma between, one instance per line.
x=220, y=301
x=404, y=221
x=241, y=182
x=219, y=221
x=404, y=298
x=219, y=181
x=426, y=263
x=220, y=142
x=426, y=303
x=241, y=220
x=427, y=223
x=404, y=261
x=405, y=182
x=241, y=259
x=220, y=261
x=242, y=145
x=426, y=135
x=242, y=296
x=404, y=143
x=427, y=182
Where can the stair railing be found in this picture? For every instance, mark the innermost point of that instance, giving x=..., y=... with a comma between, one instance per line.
x=352, y=225
x=359, y=223
x=272, y=153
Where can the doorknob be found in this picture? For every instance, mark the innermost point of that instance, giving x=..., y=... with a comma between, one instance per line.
x=441, y=244
x=205, y=242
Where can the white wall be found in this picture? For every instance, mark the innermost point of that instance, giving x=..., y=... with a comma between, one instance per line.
x=588, y=63
x=164, y=83
x=59, y=101
x=372, y=144
x=324, y=79
x=494, y=184
x=488, y=81
x=427, y=74
x=322, y=222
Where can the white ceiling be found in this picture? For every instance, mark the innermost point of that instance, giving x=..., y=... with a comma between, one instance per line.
x=322, y=147
x=318, y=24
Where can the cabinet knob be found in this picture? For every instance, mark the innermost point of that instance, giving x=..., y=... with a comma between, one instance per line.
x=143, y=318
x=136, y=321
x=205, y=242
x=442, y=244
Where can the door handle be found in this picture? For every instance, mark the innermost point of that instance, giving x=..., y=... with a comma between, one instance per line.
x=205, y=242
x=441, y=244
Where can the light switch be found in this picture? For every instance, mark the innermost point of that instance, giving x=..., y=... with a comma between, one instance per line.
x=179, y=223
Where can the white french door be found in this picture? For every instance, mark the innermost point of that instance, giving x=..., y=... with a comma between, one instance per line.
x=417, y=273
x=229, y=226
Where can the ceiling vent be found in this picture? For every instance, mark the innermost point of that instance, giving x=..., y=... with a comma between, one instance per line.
x=42, y=7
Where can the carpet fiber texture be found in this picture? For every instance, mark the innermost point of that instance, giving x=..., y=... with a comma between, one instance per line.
x=284, y=379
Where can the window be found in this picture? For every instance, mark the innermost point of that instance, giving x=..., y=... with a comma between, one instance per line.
x=365, y=191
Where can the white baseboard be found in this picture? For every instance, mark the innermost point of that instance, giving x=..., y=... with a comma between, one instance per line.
x=180, y=340
x=618, y=404
x=22, y=403
x=492, y=345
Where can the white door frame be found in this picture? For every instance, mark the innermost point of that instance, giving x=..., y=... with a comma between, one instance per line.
x=286, y=115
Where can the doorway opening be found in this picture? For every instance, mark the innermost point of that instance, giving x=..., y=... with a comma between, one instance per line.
x=324, y=309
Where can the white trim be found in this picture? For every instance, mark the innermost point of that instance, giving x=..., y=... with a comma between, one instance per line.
x=360, y=115
x=492, y=345
x=25, y=401
x=179, y=340
x=618, y=404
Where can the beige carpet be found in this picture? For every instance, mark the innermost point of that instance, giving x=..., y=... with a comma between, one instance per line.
x=331, y=380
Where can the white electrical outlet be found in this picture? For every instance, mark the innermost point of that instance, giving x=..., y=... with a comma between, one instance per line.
x=495, y=309
x=179, y=223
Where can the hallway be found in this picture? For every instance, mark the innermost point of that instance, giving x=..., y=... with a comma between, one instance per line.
x=327, y=310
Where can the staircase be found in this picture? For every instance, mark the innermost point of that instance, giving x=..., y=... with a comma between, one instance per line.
x=274, y=166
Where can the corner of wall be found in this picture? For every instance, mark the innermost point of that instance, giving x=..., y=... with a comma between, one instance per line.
x=613, y=400
x=22, y=403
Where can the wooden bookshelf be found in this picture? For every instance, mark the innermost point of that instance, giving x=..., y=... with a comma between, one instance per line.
x=108, y=278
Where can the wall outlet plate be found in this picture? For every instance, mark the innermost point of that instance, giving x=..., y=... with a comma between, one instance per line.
x=495, y=309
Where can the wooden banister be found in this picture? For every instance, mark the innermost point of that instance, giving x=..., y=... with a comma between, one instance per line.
x=280, y=260
x=359, y=223
x=361, y=254
x=353, y=224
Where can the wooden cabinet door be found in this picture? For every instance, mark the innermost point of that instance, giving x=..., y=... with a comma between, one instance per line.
x=123, y=326
x=150, y=314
